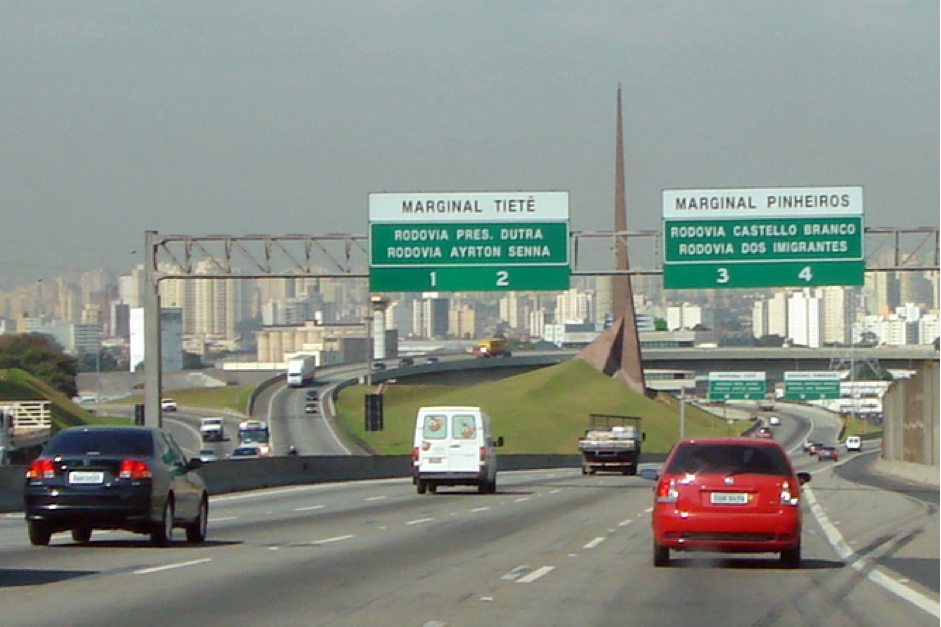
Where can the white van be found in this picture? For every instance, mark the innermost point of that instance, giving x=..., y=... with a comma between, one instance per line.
x=854, y=443
x=453, y=446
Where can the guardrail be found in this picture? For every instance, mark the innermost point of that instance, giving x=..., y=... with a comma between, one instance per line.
x=226, y=476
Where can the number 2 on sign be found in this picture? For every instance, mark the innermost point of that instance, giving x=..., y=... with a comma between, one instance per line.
x=503, y=278
x=723, y=275
x=806, y=274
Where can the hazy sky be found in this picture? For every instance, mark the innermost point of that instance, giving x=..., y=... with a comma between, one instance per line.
x=280, y=117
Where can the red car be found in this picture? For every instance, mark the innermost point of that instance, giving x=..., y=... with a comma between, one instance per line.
x=734, y=495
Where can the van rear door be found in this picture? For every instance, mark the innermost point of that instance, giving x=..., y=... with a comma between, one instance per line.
x=464, y=443
x=433, y=450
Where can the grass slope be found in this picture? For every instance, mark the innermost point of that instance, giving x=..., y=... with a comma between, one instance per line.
x=543, y=411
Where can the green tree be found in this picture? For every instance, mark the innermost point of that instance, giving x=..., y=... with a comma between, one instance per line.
x=41, y=356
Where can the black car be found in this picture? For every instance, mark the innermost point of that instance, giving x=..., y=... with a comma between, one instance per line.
x=828, y=452
x=115, y=477
x=406, y=361
x=313, y=395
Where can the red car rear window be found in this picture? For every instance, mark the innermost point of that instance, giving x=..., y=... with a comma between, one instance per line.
x=728, y=458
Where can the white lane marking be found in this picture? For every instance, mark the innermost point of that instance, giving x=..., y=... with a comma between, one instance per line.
x=594, y=543
x=419, y=521
x=625, y=523
x=863, y=564
x=520, y=500
x=157, y=569
x=646, y=511
x=377, y=498
x=334, y=539
x=221, y=518
x=309, y=508
x=514, y=574
x=480, y=509
x=536, y=574
x=557, y=490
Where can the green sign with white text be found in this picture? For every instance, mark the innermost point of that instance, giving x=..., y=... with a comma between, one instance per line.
x=798, y=237
x=468, y=241
x=809, y=386
x=736, y=385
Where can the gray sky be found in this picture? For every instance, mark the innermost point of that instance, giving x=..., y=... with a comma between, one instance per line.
x=280, y=117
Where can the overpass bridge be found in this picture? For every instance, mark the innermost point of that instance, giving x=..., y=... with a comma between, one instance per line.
x=700, y=361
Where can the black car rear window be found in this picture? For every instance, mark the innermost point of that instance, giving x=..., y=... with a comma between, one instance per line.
x=106, y=443
x=705, y=458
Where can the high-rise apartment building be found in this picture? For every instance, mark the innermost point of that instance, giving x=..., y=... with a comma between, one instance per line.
x=804, y=319
x=430, y=316
x=574, y=306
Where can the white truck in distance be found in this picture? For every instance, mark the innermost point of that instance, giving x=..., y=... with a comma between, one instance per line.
x=212, y=430
x=300, y=370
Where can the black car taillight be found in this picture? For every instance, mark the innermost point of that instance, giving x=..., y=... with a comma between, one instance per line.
x=41, y=469
x=134, y=469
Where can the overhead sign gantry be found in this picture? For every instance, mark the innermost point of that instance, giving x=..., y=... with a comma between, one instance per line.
x=771, y=237
x=468, y=241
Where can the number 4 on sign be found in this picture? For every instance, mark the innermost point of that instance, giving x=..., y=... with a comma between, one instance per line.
x=806, y=274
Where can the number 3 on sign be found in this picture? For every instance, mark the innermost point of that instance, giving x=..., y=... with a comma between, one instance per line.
x=723, y=275
x=806, y=274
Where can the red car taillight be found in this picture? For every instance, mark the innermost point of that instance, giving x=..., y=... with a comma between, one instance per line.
x=667, y=492
x=41, y=469
x=788, y=497
x=134, y=469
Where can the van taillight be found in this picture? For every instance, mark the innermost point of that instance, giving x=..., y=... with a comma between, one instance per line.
x=41, y=469
x=134, y=469
x=415, y=455
x=667, y=492
x=483, y=454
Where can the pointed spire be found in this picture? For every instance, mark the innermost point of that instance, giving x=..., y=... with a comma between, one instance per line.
x=629, y=359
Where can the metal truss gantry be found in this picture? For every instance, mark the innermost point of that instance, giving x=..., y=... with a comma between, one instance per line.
x=342, y=256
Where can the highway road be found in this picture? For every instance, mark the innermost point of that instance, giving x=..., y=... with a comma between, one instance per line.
x=550, y=548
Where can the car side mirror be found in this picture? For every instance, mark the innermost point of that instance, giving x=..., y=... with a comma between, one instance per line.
x=499, y=441
x=194, y=464
x=803, y=477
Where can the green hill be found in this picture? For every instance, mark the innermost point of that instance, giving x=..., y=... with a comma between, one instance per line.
x=543, y=411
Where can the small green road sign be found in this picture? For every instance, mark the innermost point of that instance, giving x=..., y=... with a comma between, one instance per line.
x=811, y=386
x=736, y=386
x=778, y=237
x=468, y=241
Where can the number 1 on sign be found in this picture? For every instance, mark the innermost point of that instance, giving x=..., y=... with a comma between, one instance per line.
x=806, y=274
x=434, y=279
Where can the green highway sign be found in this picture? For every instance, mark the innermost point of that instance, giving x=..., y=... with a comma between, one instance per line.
x=808, y=386
x=737, y=385
x=779, y=237
x=468, y=241
x=468, y=279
